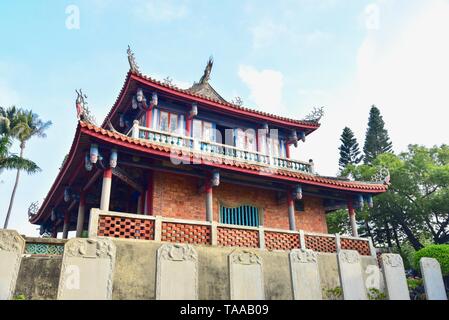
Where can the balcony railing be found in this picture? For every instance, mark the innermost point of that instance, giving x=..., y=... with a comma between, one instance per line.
x=157, y=228
x=225, y=152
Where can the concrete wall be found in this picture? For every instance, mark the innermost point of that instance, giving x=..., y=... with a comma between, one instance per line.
x=39, y=277
x=135, y=272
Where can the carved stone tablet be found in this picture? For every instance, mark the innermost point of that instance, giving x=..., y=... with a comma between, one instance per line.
x=87, y=269
x=12, y=245
x=351, y=276
x=433, y=279
x=177, y=272
x=246, y=277
x=305, y=275
x=394, y=274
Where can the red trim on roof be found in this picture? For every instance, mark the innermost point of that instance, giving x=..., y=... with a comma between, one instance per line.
x=61, y=174
x=148, y=147
x=214, y=104
x=164, y=151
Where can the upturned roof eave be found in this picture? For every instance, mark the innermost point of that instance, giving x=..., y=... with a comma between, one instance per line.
x=308, y=126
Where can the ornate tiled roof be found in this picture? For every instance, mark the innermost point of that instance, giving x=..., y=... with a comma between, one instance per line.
x=199, y=93
x=207, y=159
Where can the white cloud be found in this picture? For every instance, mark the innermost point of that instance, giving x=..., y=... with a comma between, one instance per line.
x=265, y=87
x=266, y=32
x=8, y=96
x=161, y=10
x=403, y=68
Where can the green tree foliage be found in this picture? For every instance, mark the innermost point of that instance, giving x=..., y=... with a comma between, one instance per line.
x=416, y=206
x=438, y=252
x=377, y=140
x=9, y=161
x=21, y=125
x=338, y=222
x=349, y=149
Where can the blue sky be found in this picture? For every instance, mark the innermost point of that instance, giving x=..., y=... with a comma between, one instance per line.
x=284, y=57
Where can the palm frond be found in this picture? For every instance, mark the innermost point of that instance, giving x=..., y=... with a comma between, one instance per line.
x=15, y=162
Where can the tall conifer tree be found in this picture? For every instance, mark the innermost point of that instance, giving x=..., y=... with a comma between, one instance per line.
x=377, y=140
x=349, y=149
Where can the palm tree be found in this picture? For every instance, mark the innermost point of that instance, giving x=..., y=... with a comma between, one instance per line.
x=10, y=161
x=23, y=125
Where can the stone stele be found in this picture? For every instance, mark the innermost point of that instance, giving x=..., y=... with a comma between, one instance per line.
x=246, y=275
x=305, y=275
x=177, y=272
x=433, y=279
x=394, y=274
x=87, y=269
x=12, y=246
x=351, y=276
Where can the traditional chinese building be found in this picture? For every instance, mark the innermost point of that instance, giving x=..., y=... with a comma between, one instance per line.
x=185, y=165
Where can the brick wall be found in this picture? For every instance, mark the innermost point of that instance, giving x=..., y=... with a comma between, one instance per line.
x=313, y=218
x=177, y=196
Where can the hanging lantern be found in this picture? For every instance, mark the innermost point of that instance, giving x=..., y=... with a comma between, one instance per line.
x=154, y=99
x=87, y=164
x=194, y=110
x=53, y=215
x=134, y=103
x=113, y=158
x=297, y=194
x=121, y=120
x=369, y=200
x=360, y=201
x=67, y=194
x=265, y=126
x=139, y=96
x=93, y=153
x=302, y=136
x=215, y=179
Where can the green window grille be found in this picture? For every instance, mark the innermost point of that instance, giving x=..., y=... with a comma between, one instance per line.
x=242, y=216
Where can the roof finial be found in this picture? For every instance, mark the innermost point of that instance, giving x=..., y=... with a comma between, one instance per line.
x=132, y=61
x=206, y=76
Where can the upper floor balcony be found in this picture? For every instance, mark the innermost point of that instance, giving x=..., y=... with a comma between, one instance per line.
x=226, y=152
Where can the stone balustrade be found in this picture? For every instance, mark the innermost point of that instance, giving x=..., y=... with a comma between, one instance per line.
x=225, y=152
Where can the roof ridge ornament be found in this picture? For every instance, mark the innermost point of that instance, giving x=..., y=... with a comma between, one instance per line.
x=82, y=111
x=382, y=175
x=206, y=75
x=315, y=115
x=132, y=61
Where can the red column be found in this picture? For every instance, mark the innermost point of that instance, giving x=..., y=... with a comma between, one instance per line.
x=81, y=214
x=65, y=231
x=209, y=201
x=54, y=232
x=106, y=189
x=287, y=150
x=149, y=195
x=148, y=118
x=352, y=220
x=188, y=126
x=291, y=210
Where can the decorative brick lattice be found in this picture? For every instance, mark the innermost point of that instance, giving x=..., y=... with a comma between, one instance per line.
x=126, y=228
x=281, y=241
x=230, y=237
x=44, y=249
x=185, y=233
x=320, y=243
x=361, y=246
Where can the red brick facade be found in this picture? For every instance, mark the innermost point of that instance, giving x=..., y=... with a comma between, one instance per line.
x=177, y=196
